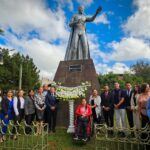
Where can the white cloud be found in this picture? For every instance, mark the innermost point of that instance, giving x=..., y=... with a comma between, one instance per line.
x=120, y=68
x=33, y=16
x=117, y=68
x=129, y=49
x=46, y=56
x=65, y=3
x=102, y=68
x=95, y=51
x=136, y=43
x=85, y=2
x=101, y=19
x=138, y=24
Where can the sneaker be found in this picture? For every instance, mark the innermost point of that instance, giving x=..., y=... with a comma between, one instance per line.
x=4, y=138
x=76, y=138
x=14, y=137
x=84, y=139
x=1, y=140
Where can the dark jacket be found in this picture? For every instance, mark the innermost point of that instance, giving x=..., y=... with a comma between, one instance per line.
x=51, y=101
x=5, y=106
x=117, y=96
x=127, y=98
x=107, y=101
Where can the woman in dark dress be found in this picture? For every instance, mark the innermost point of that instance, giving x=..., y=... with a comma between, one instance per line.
x=7, y=112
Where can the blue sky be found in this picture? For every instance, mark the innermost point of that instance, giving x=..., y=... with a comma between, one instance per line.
x=118, y=37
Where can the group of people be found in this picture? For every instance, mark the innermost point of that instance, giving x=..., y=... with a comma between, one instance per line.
x=41, y=105
x=130, y=105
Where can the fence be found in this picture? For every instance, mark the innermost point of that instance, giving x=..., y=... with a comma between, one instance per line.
x=25, y=141
x=126, y=139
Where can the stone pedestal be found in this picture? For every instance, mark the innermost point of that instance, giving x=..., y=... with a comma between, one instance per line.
x=71, y=74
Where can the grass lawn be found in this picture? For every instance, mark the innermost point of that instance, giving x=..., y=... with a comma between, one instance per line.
x=61, y=140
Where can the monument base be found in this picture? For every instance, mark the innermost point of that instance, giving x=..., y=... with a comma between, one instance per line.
x=71, y=129
x=72, y=73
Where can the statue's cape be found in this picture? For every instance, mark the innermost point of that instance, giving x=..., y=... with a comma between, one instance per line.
x=69, y=50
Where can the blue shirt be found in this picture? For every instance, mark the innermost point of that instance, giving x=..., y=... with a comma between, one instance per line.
x=148, y=107
x=118, y=94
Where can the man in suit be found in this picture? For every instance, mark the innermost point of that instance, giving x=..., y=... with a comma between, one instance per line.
x=127, y=96
x=107, y=106
x=51, y=108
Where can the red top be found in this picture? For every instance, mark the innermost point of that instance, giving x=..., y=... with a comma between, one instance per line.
x=81, y=110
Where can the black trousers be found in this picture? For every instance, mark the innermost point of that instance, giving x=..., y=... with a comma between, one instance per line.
x=130, y=117
x=109, y=117
x=29, y=119
x=52, y=115
x=82, y=124
x=95, y=118
x=18, y=119
x=45, y=116
x=145, y=121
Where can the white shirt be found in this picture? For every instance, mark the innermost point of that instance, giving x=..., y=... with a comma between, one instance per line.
x=45, y=93
x=97, y=101
x=22, y=101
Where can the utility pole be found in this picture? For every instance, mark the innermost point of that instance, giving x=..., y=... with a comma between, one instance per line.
x=1, y=57
x=20, y=76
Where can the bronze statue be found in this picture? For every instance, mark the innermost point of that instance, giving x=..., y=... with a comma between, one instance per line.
x=78, y=47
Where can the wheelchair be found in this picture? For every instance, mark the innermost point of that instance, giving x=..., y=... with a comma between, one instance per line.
x=78, y=136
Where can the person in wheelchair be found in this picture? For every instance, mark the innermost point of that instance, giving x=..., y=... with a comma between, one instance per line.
x=83, y=121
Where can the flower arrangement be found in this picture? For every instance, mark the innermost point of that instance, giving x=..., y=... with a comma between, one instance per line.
x=71, y=93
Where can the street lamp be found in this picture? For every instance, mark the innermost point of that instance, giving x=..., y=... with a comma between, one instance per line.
x=1, y=58
x=20, y=76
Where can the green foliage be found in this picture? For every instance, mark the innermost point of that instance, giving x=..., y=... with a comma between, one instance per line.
x=9, y=72
x=141, y=74
x=110, y=78
x=107, y=79
x=142, y=69
x=1, y=32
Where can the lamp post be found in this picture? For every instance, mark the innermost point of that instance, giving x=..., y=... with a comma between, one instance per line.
x=20, y=76
x=1, y=58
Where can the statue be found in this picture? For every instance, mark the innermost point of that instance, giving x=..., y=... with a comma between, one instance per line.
x=78, y=48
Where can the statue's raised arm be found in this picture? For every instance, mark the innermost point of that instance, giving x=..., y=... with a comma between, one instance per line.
x=90, y=19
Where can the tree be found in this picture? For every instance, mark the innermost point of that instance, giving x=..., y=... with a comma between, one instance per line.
x=1, y=32
x=9, y=71
x=142, y=69
x=110, y=78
